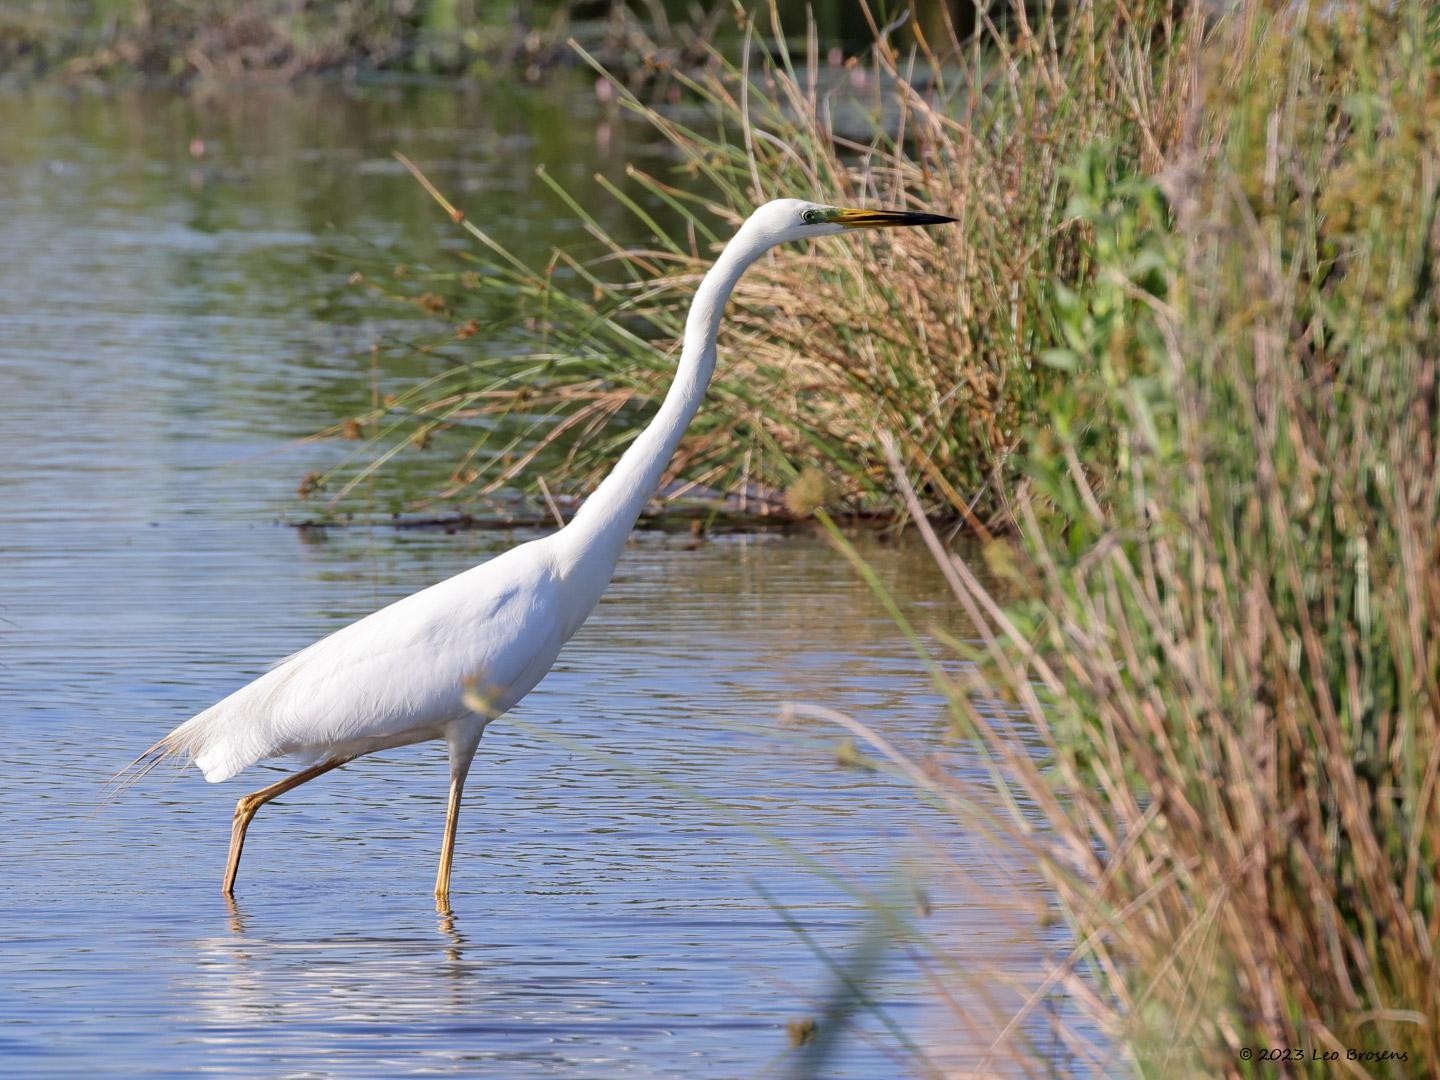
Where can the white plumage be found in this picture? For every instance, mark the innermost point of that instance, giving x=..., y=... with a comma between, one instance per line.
x=447, y=661
x=397, y=676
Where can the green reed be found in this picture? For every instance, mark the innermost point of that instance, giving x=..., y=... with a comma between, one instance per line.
x=1224, y=607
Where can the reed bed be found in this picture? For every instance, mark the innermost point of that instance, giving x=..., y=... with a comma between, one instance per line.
x=1222, y=612
x=936, y=338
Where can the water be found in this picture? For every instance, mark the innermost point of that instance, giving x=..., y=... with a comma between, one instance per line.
x=168, y=329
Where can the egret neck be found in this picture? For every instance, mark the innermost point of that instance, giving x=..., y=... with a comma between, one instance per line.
x=596, y=536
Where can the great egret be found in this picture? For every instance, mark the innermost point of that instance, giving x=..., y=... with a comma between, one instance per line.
x=446, y=661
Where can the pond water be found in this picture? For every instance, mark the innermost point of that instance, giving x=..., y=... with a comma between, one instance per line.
x=623, y=902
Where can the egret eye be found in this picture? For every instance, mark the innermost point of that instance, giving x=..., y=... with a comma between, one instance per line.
x=810, y=217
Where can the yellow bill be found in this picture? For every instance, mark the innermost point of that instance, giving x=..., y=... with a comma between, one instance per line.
x=884, y=219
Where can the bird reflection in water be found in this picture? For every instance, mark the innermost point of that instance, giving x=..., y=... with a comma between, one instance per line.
x=450, y=930
x=250, y=971
x=238, y=917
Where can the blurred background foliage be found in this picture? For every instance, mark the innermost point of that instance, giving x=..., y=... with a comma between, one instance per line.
x=189, y=39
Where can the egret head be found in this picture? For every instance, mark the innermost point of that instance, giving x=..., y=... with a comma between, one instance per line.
x=795, y=219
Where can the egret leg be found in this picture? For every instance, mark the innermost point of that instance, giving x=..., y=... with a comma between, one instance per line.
x=461, y=755
x=447, y=845
x=247, y=805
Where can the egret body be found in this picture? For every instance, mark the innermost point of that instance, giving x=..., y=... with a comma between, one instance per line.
x=448, y=660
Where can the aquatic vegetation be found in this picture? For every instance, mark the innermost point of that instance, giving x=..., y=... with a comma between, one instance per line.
x=1224, y=613
x=939, y=342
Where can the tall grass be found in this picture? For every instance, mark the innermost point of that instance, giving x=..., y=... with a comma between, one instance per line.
x=936, y=338
x=1228, y=624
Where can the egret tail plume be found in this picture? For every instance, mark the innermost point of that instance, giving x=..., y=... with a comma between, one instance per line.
x=180, y=743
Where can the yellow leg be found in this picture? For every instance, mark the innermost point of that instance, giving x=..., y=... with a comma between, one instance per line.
x=447, y=845
x=248, y=804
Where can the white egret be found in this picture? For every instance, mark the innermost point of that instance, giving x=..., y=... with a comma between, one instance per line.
x=415, y=670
